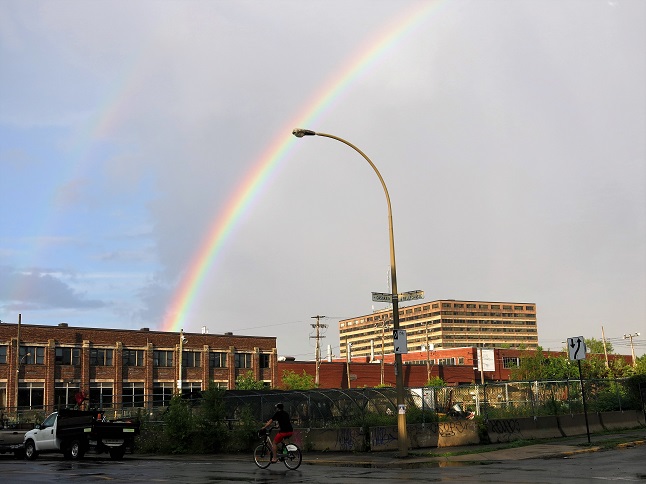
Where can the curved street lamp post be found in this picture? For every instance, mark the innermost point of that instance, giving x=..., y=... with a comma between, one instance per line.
x=399, y=378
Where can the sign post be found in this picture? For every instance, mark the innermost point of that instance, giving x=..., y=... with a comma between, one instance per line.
x=576, y=350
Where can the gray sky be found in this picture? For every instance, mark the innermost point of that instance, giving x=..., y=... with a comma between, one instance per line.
x=511, y=135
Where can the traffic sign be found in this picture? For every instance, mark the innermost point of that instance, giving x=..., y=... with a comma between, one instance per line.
x=399, y=341
x=410, y=295
x=576, y=348
x=382, y=297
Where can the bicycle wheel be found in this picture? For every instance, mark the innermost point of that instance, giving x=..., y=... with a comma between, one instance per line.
x=262, y=456
x=294, y=457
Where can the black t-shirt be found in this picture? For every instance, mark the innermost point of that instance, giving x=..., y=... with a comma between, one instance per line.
x=284, y=423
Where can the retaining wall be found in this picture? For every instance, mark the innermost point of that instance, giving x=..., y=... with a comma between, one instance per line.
x=463, y=432
x=509, y=429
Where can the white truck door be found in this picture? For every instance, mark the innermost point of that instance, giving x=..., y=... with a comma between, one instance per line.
x=46, y=436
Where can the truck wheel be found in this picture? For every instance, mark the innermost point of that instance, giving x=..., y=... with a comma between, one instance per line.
x=30, y=450
x=76, y=449
x=116, y=453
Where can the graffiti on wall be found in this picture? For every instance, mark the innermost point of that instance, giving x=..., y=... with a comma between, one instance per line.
x=381, y=436
x=349, y=439
x=505, y=429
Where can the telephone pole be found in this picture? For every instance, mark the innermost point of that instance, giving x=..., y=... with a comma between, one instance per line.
x=318, y=325
x=632, y=347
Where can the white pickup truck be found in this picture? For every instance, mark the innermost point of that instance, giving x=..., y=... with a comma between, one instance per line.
x=73, y=432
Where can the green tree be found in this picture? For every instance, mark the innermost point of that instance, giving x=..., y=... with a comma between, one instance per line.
x=640, y=365
x=293, y=381
x=436, y=381
x=538, y=366
x=596, y=346
x=246, y=381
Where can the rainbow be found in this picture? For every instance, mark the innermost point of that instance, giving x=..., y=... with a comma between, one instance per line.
x=242, y=199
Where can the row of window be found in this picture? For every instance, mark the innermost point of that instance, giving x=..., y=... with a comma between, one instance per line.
x=32, y=394
x=35, y=355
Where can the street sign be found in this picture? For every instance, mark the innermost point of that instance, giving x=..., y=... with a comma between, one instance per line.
x=410, y=295
x=402, y=296
x=382, y=297
x=399, y=341
x=576, y=348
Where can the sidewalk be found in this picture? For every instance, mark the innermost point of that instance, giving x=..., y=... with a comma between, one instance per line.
x=552, y=448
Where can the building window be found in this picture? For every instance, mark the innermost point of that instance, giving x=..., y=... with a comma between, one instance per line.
x=220, y=385
x=265, y=360
x=529, y=308
x=133, y=394
x=32, y=355
x=191, y=359
x=68, y=356
x=163, y=358
x=217, y=360
x=243, y=360
x=133, y=357
x=100, y=357
x=191, y=390
x=446, y=361
x=3, y=355
x=510, y=362
x=31, y=395
x=101, y=394
x=65, y=394
x=163, y=393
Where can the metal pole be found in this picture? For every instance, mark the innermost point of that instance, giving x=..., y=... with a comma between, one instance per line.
x=17, y=364
x=585, y=407
x=179, y=361
x=399, y=377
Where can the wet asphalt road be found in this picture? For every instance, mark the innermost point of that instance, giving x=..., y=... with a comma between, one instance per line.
x=625, y=465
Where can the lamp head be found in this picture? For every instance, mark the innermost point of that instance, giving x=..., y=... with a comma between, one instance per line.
x=299, y=132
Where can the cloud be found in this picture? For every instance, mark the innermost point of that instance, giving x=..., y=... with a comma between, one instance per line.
x=38, y=290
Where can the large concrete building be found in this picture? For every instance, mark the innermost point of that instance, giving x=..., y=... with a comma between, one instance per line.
x=122, y=368
x=445, y=323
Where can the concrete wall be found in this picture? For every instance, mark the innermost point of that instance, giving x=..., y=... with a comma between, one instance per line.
x=444, y=434
x=463, y=432
x=507, y=430
x=510, y=429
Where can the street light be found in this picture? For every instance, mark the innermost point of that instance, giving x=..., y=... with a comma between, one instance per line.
x=399, y=377
x=182, y=341
x=20, y=362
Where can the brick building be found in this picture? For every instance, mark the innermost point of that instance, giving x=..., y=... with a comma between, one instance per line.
x=122, y=367
x=446, y=323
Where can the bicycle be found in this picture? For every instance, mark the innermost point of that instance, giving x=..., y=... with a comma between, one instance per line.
x=290, y=454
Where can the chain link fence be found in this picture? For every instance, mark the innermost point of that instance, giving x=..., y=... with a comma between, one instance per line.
x=319, y=408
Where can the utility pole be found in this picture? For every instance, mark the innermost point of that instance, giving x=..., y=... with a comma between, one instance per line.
x=605, y=350
x=17, y=364
x=349, y=357
x=180, y=358
x=632, y=347
x=317, y=354
x=428, y=356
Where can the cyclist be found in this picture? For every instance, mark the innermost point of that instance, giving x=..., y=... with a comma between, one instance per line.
x=285, y=429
